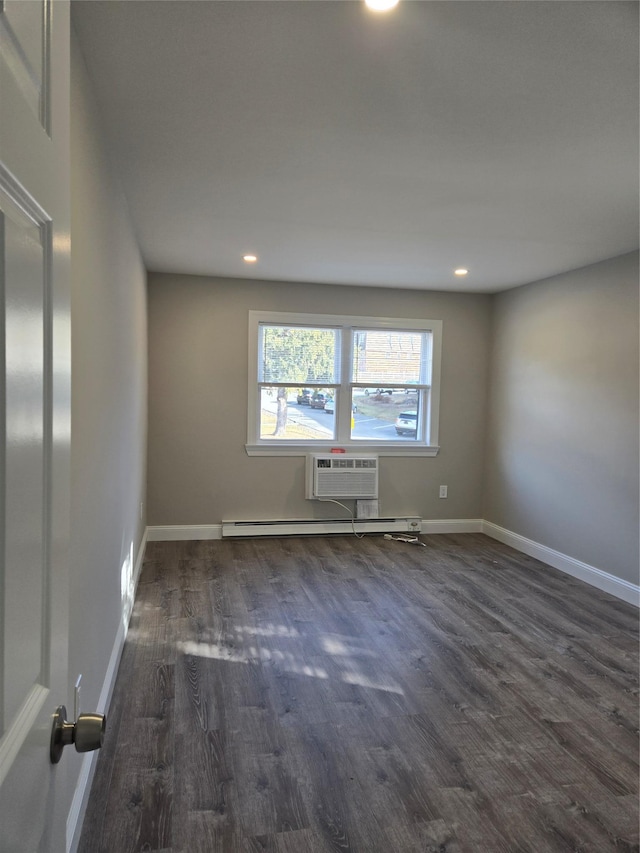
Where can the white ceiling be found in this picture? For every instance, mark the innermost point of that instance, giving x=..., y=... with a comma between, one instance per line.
x=351, y=148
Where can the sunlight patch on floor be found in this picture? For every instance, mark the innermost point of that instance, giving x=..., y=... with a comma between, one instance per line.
x=268, y=630
x=253, y=654
x=233, y=650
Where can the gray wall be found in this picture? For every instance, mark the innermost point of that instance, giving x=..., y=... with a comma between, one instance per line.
x=198, y=470
x=539, y=408
x=562, y=449
x=108, y=458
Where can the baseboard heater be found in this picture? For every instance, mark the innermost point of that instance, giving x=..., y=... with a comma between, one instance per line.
x=300, y=527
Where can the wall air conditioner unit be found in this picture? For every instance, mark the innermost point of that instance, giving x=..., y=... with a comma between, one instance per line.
x=342, y=476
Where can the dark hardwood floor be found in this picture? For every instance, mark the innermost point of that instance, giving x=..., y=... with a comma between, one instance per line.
x=365, y=696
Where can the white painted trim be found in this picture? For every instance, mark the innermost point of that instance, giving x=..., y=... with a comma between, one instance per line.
x=17, y=733
x=453, y=525
x=80, y=800
x=140, y=558
x=615, y=586
x=183, y=532
x=89, y=760
x=292, y=449
x=78, y=807
x=187, y=532
x=346, y=325
x=589, y=574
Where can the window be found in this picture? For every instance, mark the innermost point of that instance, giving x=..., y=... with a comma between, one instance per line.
x=323, y=381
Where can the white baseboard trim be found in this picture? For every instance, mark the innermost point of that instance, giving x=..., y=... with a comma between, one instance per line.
x=589, y=574
x=604, y=581
x=453, y=525
x=140, y=558
x=183, y=532
x=89, y=760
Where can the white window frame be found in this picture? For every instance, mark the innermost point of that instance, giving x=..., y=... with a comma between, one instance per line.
x=428, y=446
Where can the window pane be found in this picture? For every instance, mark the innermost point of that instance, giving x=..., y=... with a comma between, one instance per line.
x=390, y=415
x=382, y=356
x=298, y=354
x=287, y=413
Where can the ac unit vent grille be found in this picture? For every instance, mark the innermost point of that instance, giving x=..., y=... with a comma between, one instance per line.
x=342, y=477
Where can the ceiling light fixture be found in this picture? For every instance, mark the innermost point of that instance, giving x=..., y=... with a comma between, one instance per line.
x=380, y=5
x=249, y=259
x=460, y=271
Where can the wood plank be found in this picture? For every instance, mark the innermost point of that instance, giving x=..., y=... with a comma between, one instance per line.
x=325, y=694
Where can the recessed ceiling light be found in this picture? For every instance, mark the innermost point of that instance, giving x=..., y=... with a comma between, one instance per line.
x=249, y=259
x=460, y=271
x=380, y=5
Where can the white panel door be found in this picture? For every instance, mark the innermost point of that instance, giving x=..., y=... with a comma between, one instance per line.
x=34, y=418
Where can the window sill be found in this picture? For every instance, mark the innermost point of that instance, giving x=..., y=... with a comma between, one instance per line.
x=292, y=449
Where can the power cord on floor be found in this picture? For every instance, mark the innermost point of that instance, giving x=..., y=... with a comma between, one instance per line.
x=409, y=540
x=351, y=513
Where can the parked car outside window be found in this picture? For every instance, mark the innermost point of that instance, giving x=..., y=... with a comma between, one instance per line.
x=407, y=423
x=304, y=397
x=318, y=400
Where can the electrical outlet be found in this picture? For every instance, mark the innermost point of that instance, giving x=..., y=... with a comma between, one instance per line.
x=443, y=491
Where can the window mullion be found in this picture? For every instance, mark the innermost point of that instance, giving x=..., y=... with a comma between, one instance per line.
x=343, y=397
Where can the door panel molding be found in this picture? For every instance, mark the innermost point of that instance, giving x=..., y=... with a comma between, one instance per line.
x=25, y=230
x=19, y=730
x=30, y=69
